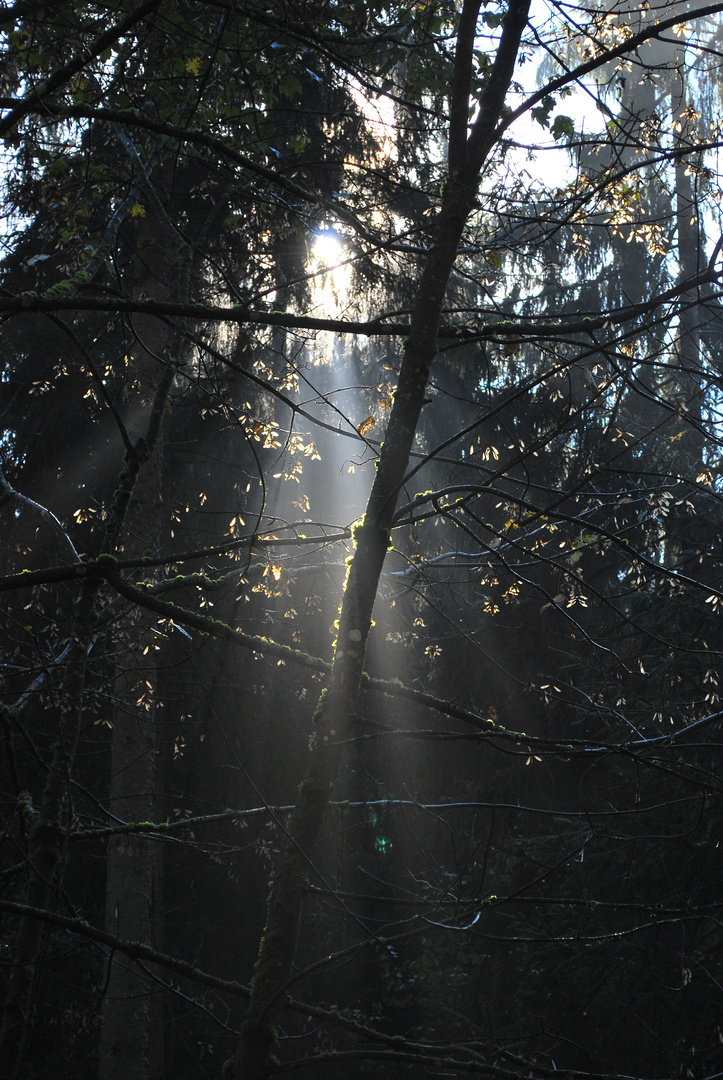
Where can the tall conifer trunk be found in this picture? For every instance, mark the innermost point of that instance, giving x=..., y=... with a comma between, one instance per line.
x=690, y=262
x=131, y=1041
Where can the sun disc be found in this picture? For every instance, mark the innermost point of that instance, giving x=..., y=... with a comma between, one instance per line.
x=327, y=249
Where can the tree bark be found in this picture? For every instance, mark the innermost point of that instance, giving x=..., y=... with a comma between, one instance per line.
x=691, y=260
x=131, y=1040
x=255, y=1057
x=46, y=842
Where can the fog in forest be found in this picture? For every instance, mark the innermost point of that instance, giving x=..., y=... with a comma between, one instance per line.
x=361, y=572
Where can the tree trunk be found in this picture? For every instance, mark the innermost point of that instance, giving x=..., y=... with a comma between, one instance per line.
x=254, y=1059
x=46, y=843
x=691, y=260
x=131, y=1040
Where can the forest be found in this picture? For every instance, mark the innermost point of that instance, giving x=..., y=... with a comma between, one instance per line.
x=361, y=572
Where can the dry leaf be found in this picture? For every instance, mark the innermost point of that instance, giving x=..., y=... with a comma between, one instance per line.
x=366, y=425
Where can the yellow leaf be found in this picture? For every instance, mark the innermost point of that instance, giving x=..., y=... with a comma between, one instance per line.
x=366, y=426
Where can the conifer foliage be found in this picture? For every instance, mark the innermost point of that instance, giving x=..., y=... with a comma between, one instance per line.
x=361, y=581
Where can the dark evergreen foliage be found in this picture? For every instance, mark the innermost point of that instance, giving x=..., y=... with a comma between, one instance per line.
x=251, y=826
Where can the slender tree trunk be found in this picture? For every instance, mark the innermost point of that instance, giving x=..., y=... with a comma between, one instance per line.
x=691, y=260
x=254, y=1059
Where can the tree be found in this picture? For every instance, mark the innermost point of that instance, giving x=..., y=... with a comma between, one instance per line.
x=174, y=701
